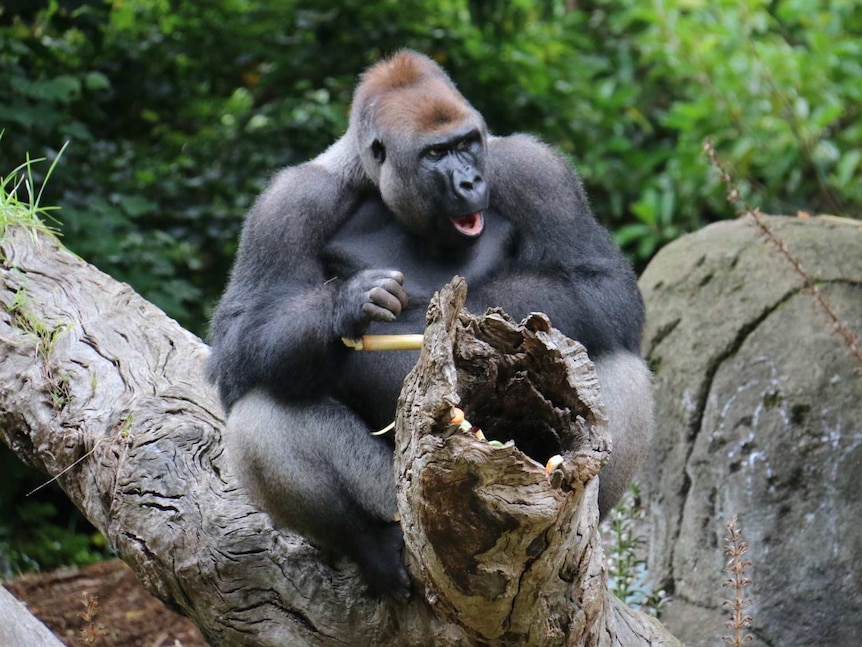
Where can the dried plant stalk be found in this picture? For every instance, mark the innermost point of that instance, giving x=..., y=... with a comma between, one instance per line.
x=735, y=199
x=736, y=548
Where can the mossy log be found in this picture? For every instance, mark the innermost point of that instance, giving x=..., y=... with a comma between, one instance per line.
x=102, y=391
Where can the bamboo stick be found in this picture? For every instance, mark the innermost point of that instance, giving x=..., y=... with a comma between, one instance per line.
x=384, y=342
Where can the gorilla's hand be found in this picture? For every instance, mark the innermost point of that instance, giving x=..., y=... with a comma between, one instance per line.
x=376, y=295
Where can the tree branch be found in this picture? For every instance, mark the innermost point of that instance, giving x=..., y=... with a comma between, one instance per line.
x=102, y=391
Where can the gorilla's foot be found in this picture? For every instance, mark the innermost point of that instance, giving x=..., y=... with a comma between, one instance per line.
x=379, y=559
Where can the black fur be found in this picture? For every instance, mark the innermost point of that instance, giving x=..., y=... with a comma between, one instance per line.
x=322, y=256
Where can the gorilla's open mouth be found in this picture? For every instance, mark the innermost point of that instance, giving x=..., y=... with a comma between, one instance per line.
x=470, y=225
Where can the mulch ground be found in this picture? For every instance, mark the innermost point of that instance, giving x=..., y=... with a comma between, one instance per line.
x=126, y=615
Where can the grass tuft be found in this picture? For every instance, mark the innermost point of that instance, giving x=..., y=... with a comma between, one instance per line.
x=21, y=202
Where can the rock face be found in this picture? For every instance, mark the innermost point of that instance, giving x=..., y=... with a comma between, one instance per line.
x=760, y=414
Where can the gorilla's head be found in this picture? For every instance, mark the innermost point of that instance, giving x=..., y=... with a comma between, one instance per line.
x=424, y=146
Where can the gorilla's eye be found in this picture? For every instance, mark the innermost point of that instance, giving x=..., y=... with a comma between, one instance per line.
x=464, y=144
x=435, y=153
x=379, y=151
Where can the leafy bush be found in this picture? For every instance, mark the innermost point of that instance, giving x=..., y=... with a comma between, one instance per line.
x=179, y=112
x=45, y=532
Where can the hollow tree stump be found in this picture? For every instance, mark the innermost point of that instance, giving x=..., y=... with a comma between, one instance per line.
x=510, y=553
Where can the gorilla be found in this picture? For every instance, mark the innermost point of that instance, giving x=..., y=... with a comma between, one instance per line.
x=356, y=241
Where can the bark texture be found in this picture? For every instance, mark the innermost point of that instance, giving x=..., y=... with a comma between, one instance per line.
x=102, y=391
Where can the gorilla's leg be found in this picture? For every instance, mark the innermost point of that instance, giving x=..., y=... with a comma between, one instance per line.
x=626, y=387
x=315, y=469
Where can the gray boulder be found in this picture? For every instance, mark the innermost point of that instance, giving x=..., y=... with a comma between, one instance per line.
x=759, y=413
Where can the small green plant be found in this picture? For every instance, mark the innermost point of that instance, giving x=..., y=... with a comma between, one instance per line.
x=59, y=386
x=125, y=433
x=29, y=214
x=26, y=212
x=627, y=570
x=27, y=322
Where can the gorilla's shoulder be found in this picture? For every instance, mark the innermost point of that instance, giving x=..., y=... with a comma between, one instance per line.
x=526, y=157
x=534, y=184
x=296, y=186
x=309, y=197
x=519, y=142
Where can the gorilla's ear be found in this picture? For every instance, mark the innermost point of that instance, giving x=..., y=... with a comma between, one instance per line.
x=379, y=151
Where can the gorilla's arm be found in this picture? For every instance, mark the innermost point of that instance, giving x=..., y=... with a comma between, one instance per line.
x=281, y=318
x=566, y=264
x=600, y=311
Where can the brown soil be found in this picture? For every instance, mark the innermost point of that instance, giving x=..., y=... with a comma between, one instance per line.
x=126, y=615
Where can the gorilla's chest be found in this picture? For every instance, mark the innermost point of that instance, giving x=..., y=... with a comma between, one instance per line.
x=372, y=239
x=370, y=382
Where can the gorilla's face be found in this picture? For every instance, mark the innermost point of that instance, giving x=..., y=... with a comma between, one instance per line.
x=435, y=184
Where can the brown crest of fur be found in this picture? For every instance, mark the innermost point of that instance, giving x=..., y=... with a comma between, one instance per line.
x=409, y=94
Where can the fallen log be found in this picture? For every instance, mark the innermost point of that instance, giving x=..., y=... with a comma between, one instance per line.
x=103, y=392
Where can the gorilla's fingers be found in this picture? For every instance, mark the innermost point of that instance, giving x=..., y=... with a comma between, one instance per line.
x=394, y=287
x=385, y=299
x=382, y=299
x=396, y=276
x=376, y=313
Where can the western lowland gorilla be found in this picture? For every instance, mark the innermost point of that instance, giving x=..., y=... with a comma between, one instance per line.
x=356, y=241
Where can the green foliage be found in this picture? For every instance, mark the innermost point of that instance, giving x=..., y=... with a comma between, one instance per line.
x=628, y=577
x=777, y=85
x=44, y=532
x=20, y=202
